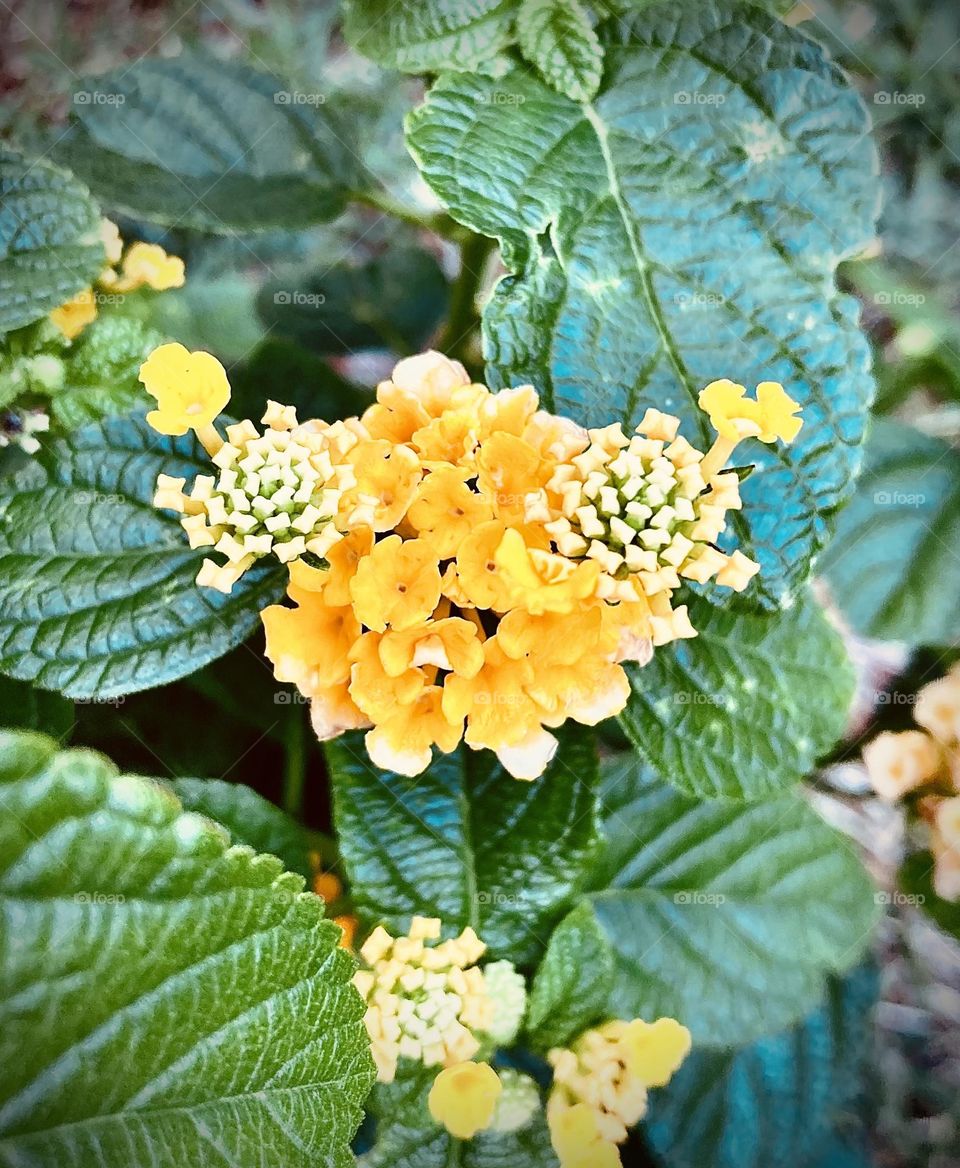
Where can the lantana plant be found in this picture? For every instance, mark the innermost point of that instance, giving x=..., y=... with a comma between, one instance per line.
x=454, y=583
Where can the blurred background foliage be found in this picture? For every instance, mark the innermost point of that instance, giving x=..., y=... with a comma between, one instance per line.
x=371, y=287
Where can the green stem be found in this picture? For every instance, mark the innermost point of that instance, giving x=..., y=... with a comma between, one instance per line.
x=440, y=223
x=464, y=317
x=294, y=762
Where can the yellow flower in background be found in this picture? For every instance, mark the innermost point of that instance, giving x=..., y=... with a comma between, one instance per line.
x=463, y=1098
x=463, y=565
x=72, y=317
x=147, y=265
x=575, y=1135
x=902, y=762
x=191, y=389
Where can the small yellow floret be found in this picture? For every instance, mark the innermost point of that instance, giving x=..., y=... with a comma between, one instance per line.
x=463, y=1098
x=191, y=388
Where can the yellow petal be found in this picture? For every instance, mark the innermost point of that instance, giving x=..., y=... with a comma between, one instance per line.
x=463, y=1097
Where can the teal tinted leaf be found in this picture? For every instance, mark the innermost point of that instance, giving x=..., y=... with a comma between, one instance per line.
x=557, y=37
x=97, y=592
x=745, y=708
x=249, y=818
x=892, y=565
x=422, y=36
x=916, y=882
x=210, y=144
x=726, y=916
x=684, y=226
x=27, y=708
x=50, y=247
x=102, y=370
x=164, y=997
x=395, y=301
x=466, y=842
x=776, y=1101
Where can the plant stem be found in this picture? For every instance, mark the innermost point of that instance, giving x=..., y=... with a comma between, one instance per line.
x=464, y=318
x=440, y=223
x=294, y=762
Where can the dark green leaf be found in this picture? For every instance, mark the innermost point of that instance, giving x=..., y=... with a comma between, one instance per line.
x=249, y=818
x=402, y=1146
x=393, y=302
x=775, y=1101
x=466, y=842
x=726, y=916
x=211, y=144
x=422, y=36
x=745, y=708
x=556, y=36
x=97, y=592
x=285, y=371
x=50, y=247
x=164, y=997
x=685, y=226
x=24, y=707
x=892, y=567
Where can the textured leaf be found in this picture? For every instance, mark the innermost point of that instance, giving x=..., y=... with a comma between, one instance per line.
x=775, y=1101
x=728, y=917
x=49, y=243
x=97, y=592
x=250, y=819
x=421, y=36
x=685, y=226
x=395, y=301
x=210, y=144
x=102, y=371
x=402, y=1146
x=744, y=709
x=892, y=565
x=164, y=997
x=466, y=842
x=557, y=37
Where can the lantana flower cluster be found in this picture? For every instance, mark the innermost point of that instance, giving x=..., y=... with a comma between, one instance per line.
x=925, y=764
x=463, y=564
x=142, y=265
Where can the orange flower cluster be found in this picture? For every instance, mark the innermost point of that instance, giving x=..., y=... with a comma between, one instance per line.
x=497, y=565
x=927, y=762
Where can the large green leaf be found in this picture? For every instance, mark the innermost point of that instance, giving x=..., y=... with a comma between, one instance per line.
x=49, y=238
x=97, y=592
x=726, y=916
x=394, y=301
x=776, y=1101
x=892, y=566
x=744, y=709
x=211, y=144
x=556, y=36
x=164, y=997
x=421, y=36
x=250, y=819
x=466, y=842
x=682, y=227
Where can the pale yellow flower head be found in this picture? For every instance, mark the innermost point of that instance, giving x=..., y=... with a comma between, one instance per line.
x=147, y=265
x=899, y=763
x=771, y=416
x=463, y=1098
x=191, y=388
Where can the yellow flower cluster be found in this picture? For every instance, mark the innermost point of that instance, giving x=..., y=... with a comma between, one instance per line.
x=145, y=265
x=487, y=565
x=927, y=762
x=600, y=1086
x=426, y=1002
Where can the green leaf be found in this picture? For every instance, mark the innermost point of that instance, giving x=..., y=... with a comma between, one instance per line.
x=395, y=301
x=557, y=37
x=891, y=567
x=423, y=36
x=745, y=708
x=684, y=226
x=776, y=1101
x=196, y=141
x=163, y=996
x=50, y=247
x=101, y=375
x=466, y=842
x=97, y=592
x=726, y=916
x=249, y=818
x=403, y=1146
x=916, y=883
x=34, y=709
